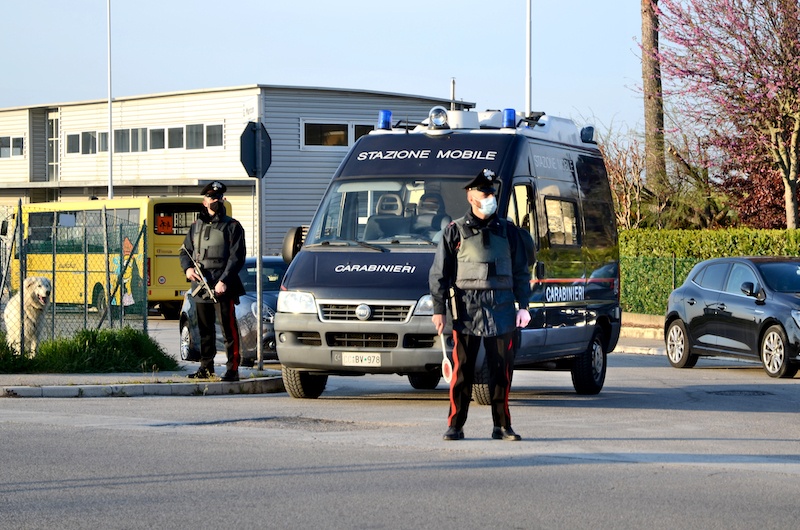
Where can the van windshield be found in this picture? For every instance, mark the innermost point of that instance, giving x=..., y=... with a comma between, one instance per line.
x=388, y=210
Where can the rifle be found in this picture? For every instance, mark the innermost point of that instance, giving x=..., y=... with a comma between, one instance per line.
x=202, y=284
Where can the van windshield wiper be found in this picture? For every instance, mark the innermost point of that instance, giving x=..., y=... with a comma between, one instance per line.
x=350, y=242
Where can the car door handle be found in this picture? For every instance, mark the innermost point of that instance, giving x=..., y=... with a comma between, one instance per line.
x=691, y=301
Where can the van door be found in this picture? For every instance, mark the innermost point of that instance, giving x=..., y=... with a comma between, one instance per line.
x=560, y=238
x=521, y=212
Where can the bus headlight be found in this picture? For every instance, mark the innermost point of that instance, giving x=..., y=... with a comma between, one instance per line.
x=296, y=302
x=424, y=306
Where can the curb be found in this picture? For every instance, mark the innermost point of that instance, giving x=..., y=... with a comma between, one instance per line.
x=260, y=385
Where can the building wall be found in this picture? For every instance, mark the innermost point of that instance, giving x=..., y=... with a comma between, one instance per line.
x=293, y=185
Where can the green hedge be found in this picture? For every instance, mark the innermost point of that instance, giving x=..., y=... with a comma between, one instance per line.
x=653, y=262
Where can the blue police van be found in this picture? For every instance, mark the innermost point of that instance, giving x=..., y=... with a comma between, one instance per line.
x=355, y=297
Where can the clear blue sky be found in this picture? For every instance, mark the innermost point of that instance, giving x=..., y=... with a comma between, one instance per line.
x=586, y=62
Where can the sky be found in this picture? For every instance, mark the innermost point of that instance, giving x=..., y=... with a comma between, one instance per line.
x=585, y=54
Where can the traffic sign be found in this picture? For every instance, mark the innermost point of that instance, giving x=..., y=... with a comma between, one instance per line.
x=256, y=149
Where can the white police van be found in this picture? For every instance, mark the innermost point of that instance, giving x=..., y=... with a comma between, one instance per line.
x=355, y=298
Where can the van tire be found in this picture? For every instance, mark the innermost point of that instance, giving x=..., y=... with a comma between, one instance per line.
x=303, y=385
x=589, y=369
x=425, y=380
x=480, y=386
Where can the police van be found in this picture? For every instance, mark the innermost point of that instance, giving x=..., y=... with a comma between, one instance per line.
x=355, y=299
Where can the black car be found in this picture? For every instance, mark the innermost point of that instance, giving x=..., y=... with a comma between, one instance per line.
x=746, y=307
x=273, y=269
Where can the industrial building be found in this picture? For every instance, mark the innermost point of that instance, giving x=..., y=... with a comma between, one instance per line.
x=174, y=143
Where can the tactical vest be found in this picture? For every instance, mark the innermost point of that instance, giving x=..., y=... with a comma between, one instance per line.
x=209, y=244
x=484, y=259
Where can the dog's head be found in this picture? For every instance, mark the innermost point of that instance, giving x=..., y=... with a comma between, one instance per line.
x=38, y=290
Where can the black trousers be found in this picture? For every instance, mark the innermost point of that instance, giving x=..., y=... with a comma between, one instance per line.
x=224, y=312
x=500, y=359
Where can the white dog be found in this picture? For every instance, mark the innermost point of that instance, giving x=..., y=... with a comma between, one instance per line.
x=37, y=298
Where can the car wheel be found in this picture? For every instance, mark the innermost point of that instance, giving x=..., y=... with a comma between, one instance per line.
x=480, y=385
x=188, y=351
x=424, y=380
x=774, y=355
x=678, y=351
x=589, y=369
x=303, y=385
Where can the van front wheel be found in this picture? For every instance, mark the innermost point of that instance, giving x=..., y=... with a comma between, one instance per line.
x=303, y=385
x=424, y=380
x=589, y=369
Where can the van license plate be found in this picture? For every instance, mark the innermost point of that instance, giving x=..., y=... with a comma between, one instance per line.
x=361, y=359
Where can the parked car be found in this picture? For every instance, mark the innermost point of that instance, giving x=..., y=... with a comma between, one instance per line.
x=273, y=269
x=747, y=307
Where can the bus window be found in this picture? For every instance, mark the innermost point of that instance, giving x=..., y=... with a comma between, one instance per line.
x=174, y=218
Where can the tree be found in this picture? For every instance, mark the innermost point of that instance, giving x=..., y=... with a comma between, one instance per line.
x=624, y=161
x=735, y=65
x=655, y=162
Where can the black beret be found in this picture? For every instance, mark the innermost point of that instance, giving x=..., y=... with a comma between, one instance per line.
x=214, y=189
x=483, y=181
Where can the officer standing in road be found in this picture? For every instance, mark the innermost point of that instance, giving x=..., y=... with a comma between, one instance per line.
x=216, y=242
x=481, y=269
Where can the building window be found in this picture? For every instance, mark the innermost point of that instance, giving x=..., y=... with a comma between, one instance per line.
x=175, y=137
x=138, y=140
x=214, y=135
x=73, y=143
x=327, y=134
x=5, y=146
x=88, y=143
x=102, y=140
x=194, y=136
x=122, y=141
x=332, y=135
x=17, y=146
x=157, y=139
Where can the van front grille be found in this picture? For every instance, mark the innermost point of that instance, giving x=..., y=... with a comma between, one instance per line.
x=333, y=312
x=361, y=340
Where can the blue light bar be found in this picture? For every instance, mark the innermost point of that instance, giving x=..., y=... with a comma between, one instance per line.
x=385, y=119
x=510, y=118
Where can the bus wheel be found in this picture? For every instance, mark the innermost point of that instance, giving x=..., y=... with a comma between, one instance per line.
x=480, y=386
x=99, y=299
x=589, y=368
x=424, y=380
x=303, y=385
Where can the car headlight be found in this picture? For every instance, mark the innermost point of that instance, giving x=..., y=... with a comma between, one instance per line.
x=267, y=314
x=296, y=302
x=424, y=306
x=796, y=317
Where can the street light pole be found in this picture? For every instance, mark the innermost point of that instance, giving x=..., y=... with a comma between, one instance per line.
x=110, y=120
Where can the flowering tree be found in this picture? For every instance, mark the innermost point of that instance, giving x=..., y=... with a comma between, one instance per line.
x=735, y=66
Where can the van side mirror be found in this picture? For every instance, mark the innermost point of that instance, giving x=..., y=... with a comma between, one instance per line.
x=538, y=270
x=292, y=242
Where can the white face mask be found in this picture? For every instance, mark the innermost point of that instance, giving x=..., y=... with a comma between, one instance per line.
x=488, y=205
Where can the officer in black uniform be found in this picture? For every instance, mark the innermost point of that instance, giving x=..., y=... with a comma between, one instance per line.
x=216, y=241
x=481, y=267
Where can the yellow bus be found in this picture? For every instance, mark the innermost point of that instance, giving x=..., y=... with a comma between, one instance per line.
x=67, y=243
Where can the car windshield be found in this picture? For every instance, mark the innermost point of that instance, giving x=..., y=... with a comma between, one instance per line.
x=271, y=276
x=783, y=277
x=397, y=210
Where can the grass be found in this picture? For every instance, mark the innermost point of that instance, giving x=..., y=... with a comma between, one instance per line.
x=91, y=352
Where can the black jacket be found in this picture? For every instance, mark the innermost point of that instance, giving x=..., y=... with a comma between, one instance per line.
x=236, y=252
x=485, y=313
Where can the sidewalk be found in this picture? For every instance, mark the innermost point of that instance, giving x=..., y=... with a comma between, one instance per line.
x=640, y=334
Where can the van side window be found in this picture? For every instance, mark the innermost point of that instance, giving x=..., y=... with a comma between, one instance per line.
x=562, y=221
x=520, y=208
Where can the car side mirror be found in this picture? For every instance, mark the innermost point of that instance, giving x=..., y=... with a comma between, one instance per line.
x=748, y=288
x=538, y=270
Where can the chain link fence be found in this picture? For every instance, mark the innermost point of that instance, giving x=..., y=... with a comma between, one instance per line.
x=61, y=272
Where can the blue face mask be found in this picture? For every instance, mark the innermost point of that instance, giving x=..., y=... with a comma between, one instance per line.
x=488, y=205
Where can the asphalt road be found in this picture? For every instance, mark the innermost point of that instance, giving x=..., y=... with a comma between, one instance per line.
x=711, y=447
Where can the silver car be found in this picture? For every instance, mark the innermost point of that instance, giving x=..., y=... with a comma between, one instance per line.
x=246, y=311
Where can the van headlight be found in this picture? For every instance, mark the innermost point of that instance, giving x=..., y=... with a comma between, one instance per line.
x=296, y=302
x=424, y=306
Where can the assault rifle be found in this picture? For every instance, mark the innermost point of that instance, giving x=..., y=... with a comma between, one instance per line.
x=202, y=284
